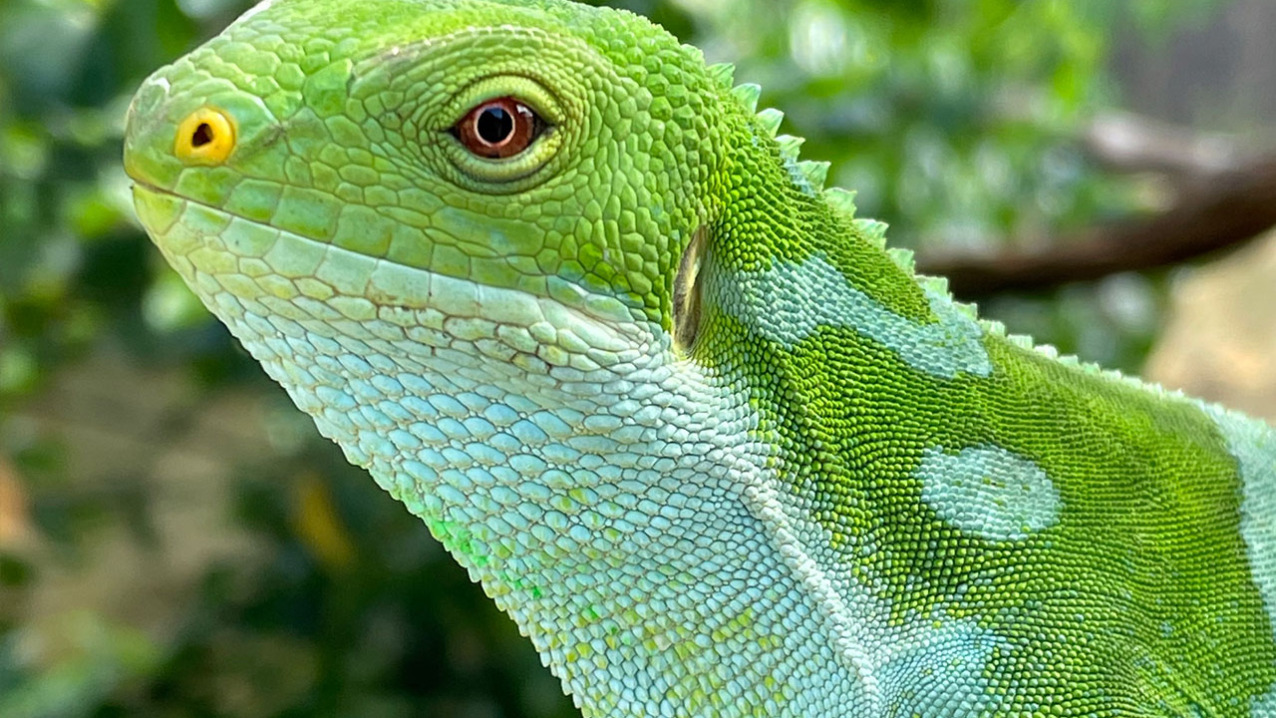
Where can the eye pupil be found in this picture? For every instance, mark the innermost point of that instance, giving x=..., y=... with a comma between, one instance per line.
x=498, y=129
x=202, y=135
x=494, y=125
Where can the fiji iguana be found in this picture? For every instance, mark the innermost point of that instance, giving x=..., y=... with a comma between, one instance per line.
x=570, y=299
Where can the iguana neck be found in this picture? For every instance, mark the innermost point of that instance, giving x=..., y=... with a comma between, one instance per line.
x=625, y=516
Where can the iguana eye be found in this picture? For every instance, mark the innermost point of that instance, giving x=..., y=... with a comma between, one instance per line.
x=498, y=128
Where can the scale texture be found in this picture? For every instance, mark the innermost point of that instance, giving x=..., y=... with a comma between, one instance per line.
x=712, y=447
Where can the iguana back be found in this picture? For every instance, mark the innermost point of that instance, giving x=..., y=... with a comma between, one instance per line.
x=717, y=452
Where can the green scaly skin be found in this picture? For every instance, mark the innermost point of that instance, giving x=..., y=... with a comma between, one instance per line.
x=713, y=449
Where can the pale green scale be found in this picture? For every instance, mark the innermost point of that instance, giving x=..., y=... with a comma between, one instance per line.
x=989, y=492
x=953, y=652
x=1254, y=446
x=946, y=347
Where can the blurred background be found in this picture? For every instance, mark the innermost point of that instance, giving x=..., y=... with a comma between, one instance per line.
x=177, y=540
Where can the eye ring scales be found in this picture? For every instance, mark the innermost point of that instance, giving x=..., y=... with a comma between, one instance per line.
x=206, y=136
x=498, y=129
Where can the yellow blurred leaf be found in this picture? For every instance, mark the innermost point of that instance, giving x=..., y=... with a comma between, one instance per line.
x=14, y=520
x=317, y=524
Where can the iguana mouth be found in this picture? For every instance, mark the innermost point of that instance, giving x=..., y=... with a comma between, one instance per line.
x=463, y=308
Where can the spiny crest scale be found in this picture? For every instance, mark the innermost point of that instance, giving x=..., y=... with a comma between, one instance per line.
x=843, y=200
x=966, y=309
x=723, y=73
x=1022, y=341
x=873, y=230
x=790, y=146
x=904, y=259
x=748, y=95
x=816, y=172
x=770, y=118
x=934, y=285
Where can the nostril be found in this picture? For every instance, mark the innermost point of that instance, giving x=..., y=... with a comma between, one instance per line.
x=203, y=135
x=206, y=136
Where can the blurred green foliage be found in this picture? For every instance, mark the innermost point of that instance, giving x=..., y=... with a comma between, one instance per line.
x=956, y=120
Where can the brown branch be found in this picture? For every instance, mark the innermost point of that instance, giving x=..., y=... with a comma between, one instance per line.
x=1231, y=208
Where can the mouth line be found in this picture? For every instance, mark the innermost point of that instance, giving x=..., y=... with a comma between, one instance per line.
x=454, y=296
x=139, y=182
x=156, y=189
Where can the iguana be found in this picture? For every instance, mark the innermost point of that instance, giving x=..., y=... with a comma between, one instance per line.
x=716, y=450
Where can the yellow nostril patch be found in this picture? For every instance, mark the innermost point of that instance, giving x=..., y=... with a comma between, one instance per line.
x=206, y=136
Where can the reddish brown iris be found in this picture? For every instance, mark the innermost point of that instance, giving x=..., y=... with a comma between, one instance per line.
x=498, y=128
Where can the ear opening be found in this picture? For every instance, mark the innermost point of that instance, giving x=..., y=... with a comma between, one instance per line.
x=687, y=291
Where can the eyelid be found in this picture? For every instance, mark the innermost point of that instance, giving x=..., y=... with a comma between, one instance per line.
x=524, y=89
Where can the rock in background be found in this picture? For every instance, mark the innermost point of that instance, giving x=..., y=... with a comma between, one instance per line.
x=1220, y=342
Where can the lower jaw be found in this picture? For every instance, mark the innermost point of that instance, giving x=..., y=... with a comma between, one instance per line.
x=303, y=279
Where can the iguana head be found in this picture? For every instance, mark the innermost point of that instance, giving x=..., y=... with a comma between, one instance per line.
x=530, y=171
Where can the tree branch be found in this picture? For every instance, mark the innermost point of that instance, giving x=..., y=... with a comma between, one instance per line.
x=1215, y=210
